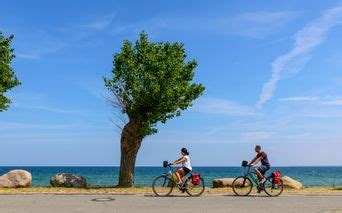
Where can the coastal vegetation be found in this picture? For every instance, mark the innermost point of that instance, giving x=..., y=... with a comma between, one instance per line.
x=8, y=79
x=151, y=82
x=148, y=191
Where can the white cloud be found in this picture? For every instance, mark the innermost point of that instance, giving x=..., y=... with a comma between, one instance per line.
x=38, y=102
x=261, y=23
x=37, y=43
x=300, y=98
x=16, y=125
x=255, y=136
x=223, y=107
x=33, y=44
x=305, y=41
x=254, y=24
x=27, y=55
x=337, y=102
x=328, y=100
x=100, y=23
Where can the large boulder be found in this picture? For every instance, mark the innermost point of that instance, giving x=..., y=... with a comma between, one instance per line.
x=68, y=180
x=223, y=182
x=291, y=183
x=15, y=179
x=228, y=182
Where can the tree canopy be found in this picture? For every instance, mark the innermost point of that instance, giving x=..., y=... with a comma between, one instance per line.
x=152, y=82
x=8, y=79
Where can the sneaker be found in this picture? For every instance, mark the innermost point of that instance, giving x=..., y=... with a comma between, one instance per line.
x=261, y=182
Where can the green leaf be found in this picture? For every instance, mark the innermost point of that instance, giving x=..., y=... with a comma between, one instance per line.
x=153, y=82
x=8, y=79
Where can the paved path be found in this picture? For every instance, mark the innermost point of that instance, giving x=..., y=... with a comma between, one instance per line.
x=140, y=203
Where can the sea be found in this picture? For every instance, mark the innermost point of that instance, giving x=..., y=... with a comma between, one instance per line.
x=108, y=176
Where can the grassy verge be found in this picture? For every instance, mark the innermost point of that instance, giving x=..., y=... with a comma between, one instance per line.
x=148, y=191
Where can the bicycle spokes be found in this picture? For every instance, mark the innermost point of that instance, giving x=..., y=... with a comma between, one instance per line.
x=242, y=186
x=162, y=186
x=194, y=189
x=273, y=189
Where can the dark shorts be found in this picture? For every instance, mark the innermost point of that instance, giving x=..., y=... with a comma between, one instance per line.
x=186, y=170
x=263, y=169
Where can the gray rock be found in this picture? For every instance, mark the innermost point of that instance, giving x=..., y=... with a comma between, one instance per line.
x=288, y=182
x=223, y=182
x=291, y=183
x=15, y=179
x=68, y=180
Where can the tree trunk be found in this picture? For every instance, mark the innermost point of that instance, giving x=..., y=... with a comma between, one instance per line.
x=130, y=144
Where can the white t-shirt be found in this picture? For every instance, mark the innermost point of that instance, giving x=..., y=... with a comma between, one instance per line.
x=187, y=163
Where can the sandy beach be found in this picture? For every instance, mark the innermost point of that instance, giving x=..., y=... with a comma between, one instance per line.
x=147, y=203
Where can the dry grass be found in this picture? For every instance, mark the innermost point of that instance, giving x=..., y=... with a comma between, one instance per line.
x=148, y=191
x=61, y=190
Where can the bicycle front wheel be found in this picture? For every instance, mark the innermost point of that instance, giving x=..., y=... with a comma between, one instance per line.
x=273, y=189
x=242, y=186
x=192, y=189
x=162, y=186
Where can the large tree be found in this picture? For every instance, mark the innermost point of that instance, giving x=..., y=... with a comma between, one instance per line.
x=151, y=83
x=8, y=80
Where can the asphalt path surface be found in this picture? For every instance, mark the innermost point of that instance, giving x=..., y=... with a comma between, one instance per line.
x=49, y=203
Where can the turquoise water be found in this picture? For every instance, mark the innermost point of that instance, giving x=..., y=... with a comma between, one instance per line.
x=108, y=176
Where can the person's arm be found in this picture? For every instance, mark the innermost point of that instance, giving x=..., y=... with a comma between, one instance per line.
x=179, y=161
x=257, y=158
x=252, y=161
x=255, y=161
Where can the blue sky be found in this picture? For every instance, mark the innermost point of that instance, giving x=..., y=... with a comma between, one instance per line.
x=272, y=72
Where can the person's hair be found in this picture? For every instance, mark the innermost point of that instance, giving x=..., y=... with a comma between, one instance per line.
x=258, y=147
x=185, y=151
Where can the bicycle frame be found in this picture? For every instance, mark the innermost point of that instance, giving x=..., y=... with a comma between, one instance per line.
x=170, y=174
x=271, y=189
x=168, y=181
x=249, y=174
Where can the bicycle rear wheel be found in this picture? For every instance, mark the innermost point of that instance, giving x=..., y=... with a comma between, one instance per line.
x=272, y=189
x=194, y=190
x=162, y=186
x=242, y=186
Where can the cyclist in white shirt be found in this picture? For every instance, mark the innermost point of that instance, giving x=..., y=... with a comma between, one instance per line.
x=186, y=165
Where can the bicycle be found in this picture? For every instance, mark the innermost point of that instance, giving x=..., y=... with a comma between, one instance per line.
x=163, y=185
x=242, y=185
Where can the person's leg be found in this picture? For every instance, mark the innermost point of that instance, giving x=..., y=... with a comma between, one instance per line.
x=258, y=172
x=177, y=175
x=180, y=174
x=177, y=172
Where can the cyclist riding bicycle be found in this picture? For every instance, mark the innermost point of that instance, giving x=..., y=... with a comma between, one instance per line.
x=186, y=166
x=265, y=165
